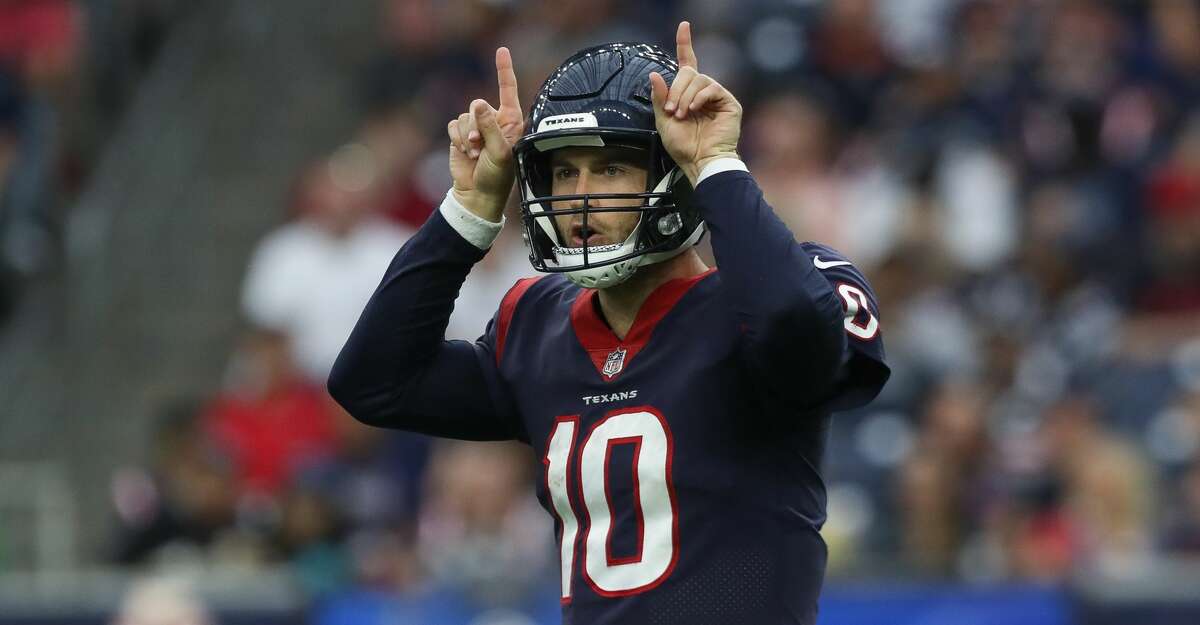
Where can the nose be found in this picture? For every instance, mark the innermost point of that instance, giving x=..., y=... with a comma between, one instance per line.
x=581, y=186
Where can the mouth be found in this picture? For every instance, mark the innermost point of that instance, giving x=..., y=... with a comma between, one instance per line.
x=581, y=236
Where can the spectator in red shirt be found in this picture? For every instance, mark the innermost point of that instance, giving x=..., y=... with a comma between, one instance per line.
x=1173, y=201
x=271, y=423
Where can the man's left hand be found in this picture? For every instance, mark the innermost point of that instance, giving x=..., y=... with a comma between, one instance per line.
x=698, y=120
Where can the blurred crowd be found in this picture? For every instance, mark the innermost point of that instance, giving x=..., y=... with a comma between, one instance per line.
x=1020, y=180
x=39, y=64
x=67, y=68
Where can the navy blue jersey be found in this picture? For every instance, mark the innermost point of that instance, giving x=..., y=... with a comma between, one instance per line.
x=681, y=463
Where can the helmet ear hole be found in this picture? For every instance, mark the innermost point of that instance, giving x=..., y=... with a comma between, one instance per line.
x=670, y=224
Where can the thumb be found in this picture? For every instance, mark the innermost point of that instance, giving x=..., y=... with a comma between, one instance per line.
x=658, y=92
x=494, y=142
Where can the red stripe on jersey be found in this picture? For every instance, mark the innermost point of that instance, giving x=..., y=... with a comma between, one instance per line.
x=598, y=339
x=508, y=305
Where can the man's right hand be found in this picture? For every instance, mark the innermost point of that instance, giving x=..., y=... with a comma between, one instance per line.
x=481, y=142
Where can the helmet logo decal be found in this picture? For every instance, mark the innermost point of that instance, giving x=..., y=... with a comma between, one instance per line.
x=614, y=363
x=570, y=120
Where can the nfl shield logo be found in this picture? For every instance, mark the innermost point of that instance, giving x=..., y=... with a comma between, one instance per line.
x=614, y=363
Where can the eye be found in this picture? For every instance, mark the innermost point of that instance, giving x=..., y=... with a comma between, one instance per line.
x=613, y=170
x=564, y=173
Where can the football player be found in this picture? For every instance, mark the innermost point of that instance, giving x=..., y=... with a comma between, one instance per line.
x=679, y=412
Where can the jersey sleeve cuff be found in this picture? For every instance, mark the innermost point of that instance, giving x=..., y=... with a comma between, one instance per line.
x=476, y=230
x=720, y=165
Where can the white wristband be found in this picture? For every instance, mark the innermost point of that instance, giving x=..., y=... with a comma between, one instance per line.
x=475, y=229
x=713, y=168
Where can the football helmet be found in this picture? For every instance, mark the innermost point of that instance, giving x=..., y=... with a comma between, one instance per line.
x=601, y=97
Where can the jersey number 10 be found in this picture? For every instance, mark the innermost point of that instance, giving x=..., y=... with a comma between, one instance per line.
x=653, y=499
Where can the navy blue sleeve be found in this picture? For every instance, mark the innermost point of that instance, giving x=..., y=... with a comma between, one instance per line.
x=793, y=320
x=398, y=371
x=864, y=364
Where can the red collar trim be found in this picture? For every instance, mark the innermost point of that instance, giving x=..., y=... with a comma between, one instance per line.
x=598, y=339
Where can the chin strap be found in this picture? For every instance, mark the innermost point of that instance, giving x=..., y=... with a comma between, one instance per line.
x=616, y=273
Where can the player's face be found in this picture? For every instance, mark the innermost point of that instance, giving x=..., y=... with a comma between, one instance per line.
x=579, y=170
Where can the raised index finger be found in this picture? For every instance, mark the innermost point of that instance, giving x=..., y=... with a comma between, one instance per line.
x=683, y=46
x=507, y=78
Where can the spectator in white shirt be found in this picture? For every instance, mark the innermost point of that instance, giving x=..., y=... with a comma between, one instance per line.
x=311, y=277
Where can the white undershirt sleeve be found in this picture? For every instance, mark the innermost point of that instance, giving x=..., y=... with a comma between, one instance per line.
x=476, y=230
x=720, y=165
